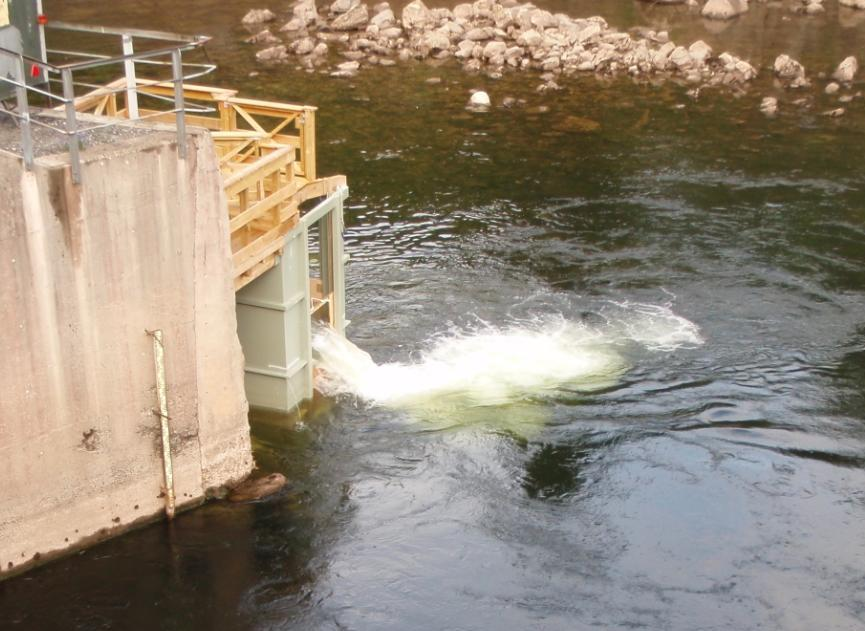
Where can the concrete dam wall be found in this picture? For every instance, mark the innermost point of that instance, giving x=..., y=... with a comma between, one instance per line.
x=141, y=244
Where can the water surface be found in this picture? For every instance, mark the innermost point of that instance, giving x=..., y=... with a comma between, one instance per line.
x=717, y=486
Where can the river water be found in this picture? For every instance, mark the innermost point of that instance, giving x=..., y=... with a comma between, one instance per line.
x=714, y=482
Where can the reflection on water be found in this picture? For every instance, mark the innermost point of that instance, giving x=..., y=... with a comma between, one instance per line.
x=719, y=486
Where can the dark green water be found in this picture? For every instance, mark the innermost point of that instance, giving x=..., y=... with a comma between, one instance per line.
x=717, y=487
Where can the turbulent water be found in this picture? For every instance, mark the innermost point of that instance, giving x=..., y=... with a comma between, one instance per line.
x=615, y=374
x=489, y=365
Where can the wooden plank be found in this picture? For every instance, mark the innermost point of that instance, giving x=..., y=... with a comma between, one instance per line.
x=249, y=175
x=255, y=106
x=263, y=246
x=307, y=146
x=191, y=91
x=257, y=210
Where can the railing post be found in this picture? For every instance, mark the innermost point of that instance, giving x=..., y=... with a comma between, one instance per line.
x=71, y=123
x=179, y=106
x=24, y=111
x=131, y=83
x=307, y=141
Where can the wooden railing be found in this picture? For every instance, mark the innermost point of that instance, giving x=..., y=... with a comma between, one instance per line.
x=266, y=154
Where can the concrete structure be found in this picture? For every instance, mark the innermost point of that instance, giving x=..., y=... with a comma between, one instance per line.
x=87, y=270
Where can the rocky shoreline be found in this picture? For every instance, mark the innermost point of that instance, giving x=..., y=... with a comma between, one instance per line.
x=497, y=36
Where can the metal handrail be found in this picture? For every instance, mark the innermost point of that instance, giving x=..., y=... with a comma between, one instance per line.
x=129, y=58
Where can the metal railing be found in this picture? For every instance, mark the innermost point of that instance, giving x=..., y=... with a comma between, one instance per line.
x=168, y=54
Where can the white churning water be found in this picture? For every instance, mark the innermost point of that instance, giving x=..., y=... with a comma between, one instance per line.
x=489, y=365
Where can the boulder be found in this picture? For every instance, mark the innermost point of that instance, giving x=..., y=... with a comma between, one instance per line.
x=342, y=6
x=786, y=67
x=853, y=4
x=464, y=12
x=494, y=49
x=303, y=46
x=724, y=9
x=251, y=490
x=263, y=37
x=293, y=25
x=354, y=19
x=383, y=19
x=256, y=16
x=846, y=70
x=680, y=57
x=700, y=51
x=435, y=41
x=320, y=50
x=305, y=11
x=274, y=53
x=530, y=39
x=480, y=99
x=480, y=34
x=416, y=16
x=832, y=88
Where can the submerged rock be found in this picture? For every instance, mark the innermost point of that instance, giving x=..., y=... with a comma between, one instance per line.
x=251, y=490
x=790, y=70
x=769, y=106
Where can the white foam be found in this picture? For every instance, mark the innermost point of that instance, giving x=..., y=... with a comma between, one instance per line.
x=489, y=365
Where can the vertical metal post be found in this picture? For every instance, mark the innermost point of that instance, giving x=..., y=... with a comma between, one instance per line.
x=71, y=123
x=131, y=83
x=167, y=466
x=179, y=106
x=24, y=113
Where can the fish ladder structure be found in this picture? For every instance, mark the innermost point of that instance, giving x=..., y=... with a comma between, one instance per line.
x=166, y=247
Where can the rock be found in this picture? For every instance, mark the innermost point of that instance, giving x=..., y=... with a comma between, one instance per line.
x=349, y=66
x=256, y=16
x=832, y=88
x=509, y=102
x=853, y=4
x=846, y=70
x=306, y=12
x=494, y=49
x=303, y=46
x=724, y=9
x=592, y=30
x=835, y=113
x=680, y=57
x=391, y=33
x=480, y=34
x=662, y=55
x=352, y=20
x=274, y=53
x=293, y=25
x=262, y=37
x=813, y=8
x=541, y=19
x=769, y=106
x=386, y=62
x=433, y=80
x=464, y=49
x=435, y=41
x=320, y=50
x=251, y=490
x=342, y=6
x=788, y=68
x=464, y=11
x=700, y=51
x=530, y=39
x=383, y=19
x=416, y=16
x=480, y=99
